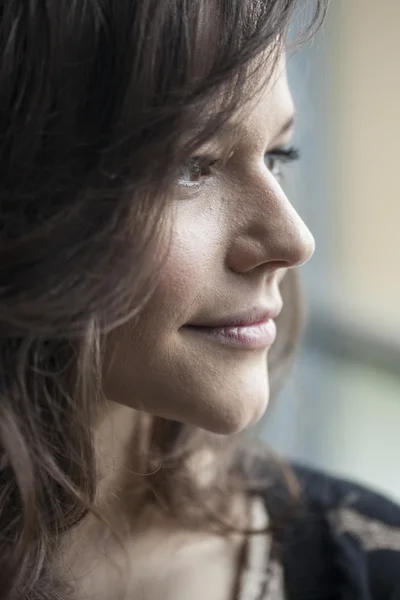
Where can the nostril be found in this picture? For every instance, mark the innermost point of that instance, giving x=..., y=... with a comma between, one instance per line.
x=277, y=273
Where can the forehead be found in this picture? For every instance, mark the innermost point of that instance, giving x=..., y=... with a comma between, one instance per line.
x=271, y=107
x=267, y=111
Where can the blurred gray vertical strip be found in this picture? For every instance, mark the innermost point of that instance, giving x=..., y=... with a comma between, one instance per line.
x=293, y=425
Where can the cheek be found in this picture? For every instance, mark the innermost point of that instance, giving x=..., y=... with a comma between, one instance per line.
x=189, y=273
x=187, y=276
x=157, y=369
x=182, y=278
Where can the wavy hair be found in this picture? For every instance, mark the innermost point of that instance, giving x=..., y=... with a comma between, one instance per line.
x=99, y=104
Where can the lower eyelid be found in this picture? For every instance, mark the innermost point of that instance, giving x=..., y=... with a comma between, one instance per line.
x=189, y=184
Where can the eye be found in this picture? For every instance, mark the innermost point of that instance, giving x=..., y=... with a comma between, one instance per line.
x=195, y=170
x=276, y=158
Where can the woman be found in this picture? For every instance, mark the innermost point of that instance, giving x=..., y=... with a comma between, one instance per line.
x=148, y=297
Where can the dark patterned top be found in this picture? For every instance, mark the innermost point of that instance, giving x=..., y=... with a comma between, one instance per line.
x=342, y=544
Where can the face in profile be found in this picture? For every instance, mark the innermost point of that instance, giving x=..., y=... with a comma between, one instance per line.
x=199, y=351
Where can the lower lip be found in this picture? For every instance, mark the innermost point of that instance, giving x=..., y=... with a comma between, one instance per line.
x=252, y=337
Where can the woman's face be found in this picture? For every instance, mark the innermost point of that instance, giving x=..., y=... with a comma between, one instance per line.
x=199, y=351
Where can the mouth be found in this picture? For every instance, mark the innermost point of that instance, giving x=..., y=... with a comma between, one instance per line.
x=252, y=330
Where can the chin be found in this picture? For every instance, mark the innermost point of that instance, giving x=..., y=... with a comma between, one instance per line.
x=230, y=399
x=242, y=412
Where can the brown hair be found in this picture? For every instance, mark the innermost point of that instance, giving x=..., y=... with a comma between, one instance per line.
x=93, y=98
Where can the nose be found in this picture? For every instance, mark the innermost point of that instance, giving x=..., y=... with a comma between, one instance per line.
x=269, y=232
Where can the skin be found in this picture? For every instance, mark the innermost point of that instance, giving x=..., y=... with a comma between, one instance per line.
x=233, y=238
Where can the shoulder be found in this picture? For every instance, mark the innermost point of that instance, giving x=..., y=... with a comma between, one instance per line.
x=338, y=497
x=343, y=541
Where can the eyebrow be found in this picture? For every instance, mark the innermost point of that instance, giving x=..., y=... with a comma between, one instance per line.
x=287, y=126
x=226, y=133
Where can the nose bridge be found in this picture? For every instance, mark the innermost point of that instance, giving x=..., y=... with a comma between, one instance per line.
x=273, y=232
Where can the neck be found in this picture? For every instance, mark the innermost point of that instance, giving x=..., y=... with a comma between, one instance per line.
x=122, y=439
x=128, y=515
x=134, y=474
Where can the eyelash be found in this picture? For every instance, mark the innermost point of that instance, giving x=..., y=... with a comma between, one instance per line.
x=279, y=155
x=282, y=156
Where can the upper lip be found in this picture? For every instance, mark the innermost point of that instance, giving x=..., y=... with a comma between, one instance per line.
x=242, y=319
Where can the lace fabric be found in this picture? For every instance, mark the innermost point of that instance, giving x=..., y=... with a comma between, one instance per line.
x=260, y=576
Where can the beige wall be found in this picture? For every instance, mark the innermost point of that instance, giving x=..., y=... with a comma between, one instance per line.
x=364, y=121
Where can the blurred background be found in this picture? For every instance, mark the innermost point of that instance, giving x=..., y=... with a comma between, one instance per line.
x=341, y=408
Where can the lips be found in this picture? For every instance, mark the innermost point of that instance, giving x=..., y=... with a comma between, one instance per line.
x=248, y=318
x=252, y=330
